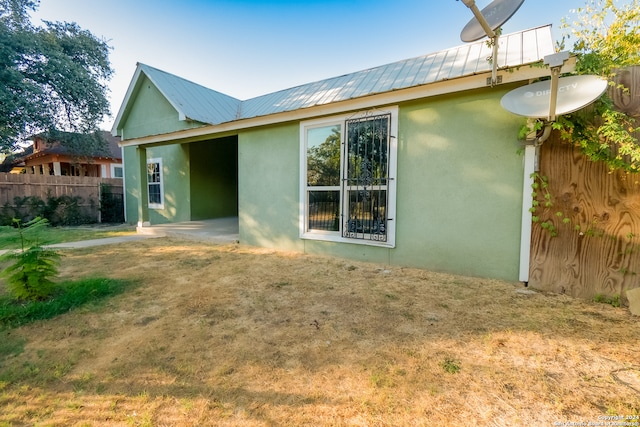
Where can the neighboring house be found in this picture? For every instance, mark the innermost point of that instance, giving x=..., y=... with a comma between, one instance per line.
x=413, y=163
x=53, y=157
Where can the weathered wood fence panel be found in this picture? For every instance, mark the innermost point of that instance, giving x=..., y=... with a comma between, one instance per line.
x=603, y=255
x=45, y=186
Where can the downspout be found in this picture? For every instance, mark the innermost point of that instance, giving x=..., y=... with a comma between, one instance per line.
x=531, y=165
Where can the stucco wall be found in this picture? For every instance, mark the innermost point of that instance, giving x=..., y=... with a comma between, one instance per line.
x=175, y=175
x=268, y=187
x=459, y=186
x=131, y=182
x=459, y=195
x=152, y=114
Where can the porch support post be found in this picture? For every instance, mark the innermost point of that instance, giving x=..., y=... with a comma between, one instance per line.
x=143, y=195
x=57, y=171
x=527, y=203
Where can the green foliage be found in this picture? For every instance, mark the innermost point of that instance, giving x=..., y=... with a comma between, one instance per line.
x=323, y=161
x=450, y=365
x=53, y=76
x=605, y=299
x=82, y=146
x=31, y=269
x=540, y=186
x=67, y=296
x=28, y=278
x=62, y=210
x=607, y=36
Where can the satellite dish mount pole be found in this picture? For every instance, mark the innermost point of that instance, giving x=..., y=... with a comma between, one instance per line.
x=493, y=35
x=494, y=58
x=555, y=63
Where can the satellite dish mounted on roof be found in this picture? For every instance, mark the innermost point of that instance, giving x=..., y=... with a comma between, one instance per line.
x=486, y=22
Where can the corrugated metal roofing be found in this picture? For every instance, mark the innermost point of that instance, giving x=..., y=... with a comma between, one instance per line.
x=192, y=100
x=515, y=50
x=199, y=103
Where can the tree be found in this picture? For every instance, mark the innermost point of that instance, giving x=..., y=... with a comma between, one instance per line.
x=606, y=38
x=51, y=77
x=323, y=161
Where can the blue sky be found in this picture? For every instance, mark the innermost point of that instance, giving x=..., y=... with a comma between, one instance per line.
x=246, y=48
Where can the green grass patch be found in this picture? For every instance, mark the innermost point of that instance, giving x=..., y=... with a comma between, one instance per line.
x=450, y=365
x=606, y=299
x=68, y=296
x=11, y=344
x=10, y=238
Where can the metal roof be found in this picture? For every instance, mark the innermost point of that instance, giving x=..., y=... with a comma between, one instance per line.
x=199, y=103
x=192, y=100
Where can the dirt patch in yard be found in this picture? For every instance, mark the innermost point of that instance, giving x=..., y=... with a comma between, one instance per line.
x=231, y=335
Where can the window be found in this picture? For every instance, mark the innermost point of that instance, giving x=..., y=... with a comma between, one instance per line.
x=154, y=183
x=348, y=178
x=116, y=171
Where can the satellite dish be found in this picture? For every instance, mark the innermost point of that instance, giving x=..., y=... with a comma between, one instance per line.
x=574, y=92
x=496, y=13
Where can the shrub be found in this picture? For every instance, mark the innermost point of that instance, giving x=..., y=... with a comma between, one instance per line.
x=62, y=210
x=30, y=271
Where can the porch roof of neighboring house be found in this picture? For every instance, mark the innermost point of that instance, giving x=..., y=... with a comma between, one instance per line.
x=114, y=151
x=196, y=102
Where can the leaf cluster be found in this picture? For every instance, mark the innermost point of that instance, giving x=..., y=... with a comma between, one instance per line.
x=30, y=270
x=323, y=161
x=607, y=36
x=53, y=76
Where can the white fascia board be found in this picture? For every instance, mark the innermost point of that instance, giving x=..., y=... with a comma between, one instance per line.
x=125, y=101
x=522, y=73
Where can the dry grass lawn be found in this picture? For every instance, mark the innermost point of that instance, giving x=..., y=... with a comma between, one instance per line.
x=238, y=336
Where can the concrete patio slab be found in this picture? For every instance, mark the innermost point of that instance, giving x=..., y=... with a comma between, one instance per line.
x=220, y=230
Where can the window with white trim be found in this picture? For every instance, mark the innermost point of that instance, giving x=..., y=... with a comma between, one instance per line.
x=155, y=183
x=116, y=171
x=348, y=166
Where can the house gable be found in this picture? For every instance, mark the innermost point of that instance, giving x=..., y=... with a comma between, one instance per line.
x=149, y=112
x=157, y=97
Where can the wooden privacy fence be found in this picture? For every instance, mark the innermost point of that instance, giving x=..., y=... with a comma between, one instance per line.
x=597, y=250
x=87, y=189
x=596, y=213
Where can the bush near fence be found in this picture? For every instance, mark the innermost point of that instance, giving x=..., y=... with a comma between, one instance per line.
x=64, y=200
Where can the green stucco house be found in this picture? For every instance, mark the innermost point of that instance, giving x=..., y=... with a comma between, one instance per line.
x=413, y=163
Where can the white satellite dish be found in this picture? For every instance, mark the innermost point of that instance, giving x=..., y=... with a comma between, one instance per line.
x=494, y=15
x=574, y=92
